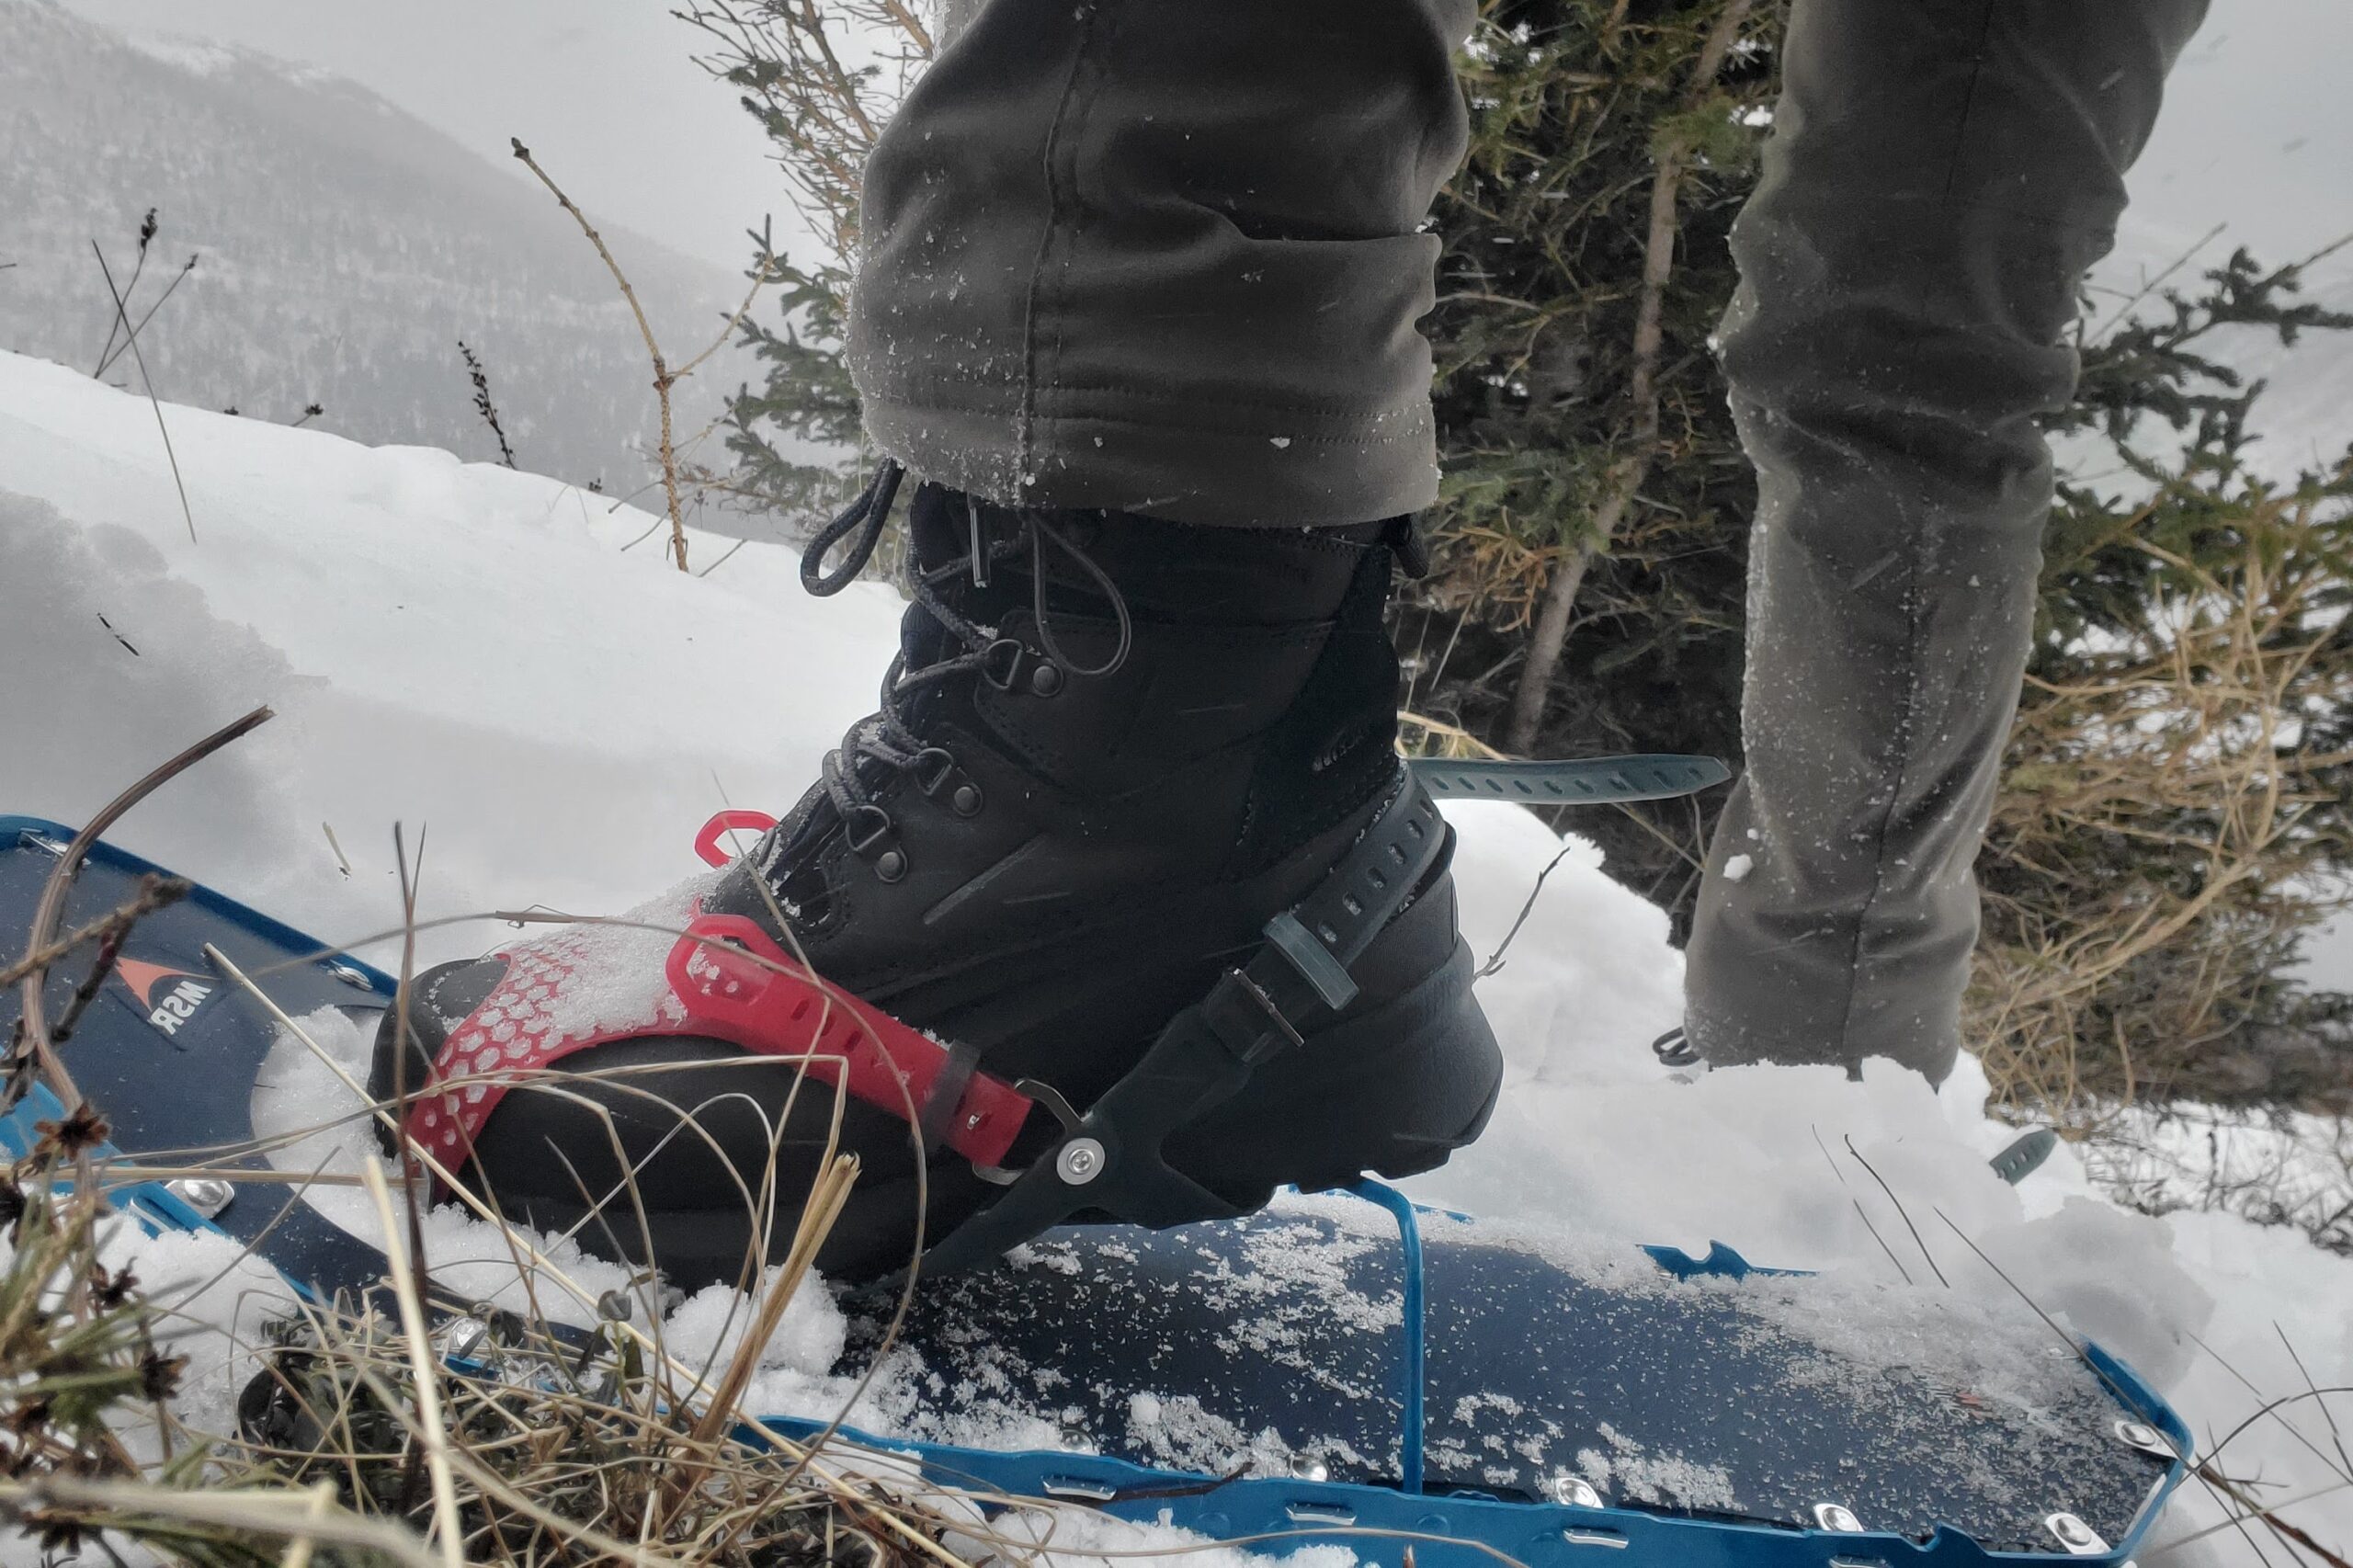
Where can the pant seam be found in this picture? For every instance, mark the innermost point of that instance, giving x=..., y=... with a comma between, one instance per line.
x=1102, y=26
x=1907, y=719
x=1034, y=302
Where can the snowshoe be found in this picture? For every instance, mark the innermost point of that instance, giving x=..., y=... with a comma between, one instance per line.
x=1342, y=1371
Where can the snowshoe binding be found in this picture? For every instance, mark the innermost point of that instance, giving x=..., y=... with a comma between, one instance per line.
x=1128, y=833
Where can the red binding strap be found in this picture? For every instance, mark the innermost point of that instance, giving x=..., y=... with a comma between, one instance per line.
x=717, y=989
x=706, y=843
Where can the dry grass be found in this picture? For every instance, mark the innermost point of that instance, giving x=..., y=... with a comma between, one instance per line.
x=365, y=1439
x=2186, y=744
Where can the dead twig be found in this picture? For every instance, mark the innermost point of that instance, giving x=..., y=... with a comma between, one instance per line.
x=664, y=378
x=154, y=894
x=1551, y=633
x=32, y=1022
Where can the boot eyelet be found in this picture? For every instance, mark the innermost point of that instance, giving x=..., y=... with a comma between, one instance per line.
x=865, y=828
x=891, y=865
x=935, y=770
x=932, y=767
x=1046, y=679
x=1001, y=662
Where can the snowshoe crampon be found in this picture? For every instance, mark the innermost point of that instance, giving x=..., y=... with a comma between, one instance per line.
x=1341, y=1368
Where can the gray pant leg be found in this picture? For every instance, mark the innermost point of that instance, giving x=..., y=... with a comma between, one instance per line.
x=1941, y=174
x=1162, y=256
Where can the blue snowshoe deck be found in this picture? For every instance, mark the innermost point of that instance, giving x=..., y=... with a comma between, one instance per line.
x=1336, y=1366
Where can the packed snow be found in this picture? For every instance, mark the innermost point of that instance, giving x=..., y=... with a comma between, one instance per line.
x=477, y=653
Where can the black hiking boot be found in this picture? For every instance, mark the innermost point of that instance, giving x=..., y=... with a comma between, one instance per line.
x=1112, y=749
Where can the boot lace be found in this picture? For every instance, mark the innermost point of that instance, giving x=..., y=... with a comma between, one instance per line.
x=886, y=743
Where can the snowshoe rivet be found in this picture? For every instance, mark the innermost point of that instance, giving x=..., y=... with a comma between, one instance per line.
x=349, y=973
x=1837, y=1516
x=1575, y=1492
x=1046, y=679
x=207, y=1195
x=966, y=800
x=2142, y=1435
x=891, y=865
x=1305, y=1468
x=2078, y=1538
x=464, y=1338
x=1080, y=1161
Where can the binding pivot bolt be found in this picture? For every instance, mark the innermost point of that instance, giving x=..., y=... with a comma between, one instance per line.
x=1080, y=1161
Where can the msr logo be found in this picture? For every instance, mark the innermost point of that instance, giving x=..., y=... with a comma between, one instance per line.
x=170, y=995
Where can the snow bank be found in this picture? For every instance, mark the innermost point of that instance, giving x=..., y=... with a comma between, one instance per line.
x=459, y=647
x=484, y=654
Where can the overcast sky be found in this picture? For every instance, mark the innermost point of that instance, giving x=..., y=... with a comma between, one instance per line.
x=2256, y=135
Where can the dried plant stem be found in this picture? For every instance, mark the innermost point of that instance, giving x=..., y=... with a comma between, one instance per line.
x=664, y=377
x=2269, y=1516
x=289, y=1514
x=115, y=352
x=826, y=1198
x=299, y=1549
x=163, y=891
x=424, y=1369
x=33, y=1015
x=112, y=1172
x=122, y=316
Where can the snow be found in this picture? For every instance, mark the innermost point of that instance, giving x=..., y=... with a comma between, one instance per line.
x=472, y=651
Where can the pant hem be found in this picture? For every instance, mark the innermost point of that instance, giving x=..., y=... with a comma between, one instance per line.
x=1187, y=473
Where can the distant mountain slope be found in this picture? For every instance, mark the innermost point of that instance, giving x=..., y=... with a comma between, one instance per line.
x=345, y=248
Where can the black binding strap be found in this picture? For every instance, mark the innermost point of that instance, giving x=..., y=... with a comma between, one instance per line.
x=1110, y=1159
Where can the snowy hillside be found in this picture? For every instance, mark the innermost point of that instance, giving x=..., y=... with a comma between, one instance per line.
x=343, y=248
x=472, y=652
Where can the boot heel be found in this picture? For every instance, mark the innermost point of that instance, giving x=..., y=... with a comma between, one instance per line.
x=1395, y=1090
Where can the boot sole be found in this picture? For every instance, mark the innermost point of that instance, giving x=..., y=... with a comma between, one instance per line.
x=1392, y=1091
